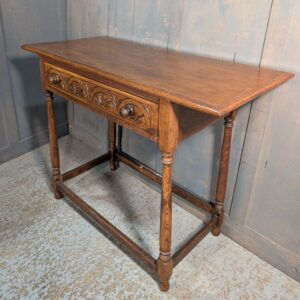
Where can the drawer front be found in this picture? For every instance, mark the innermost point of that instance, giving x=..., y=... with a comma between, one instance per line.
x=130, y=111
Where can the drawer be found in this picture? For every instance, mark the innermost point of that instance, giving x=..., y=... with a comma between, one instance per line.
x=128, y=110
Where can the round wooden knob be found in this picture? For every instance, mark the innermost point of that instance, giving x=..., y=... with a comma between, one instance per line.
x=54, y=78
x=127, y=111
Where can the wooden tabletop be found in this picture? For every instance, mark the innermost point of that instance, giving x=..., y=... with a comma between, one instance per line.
x=209, y=85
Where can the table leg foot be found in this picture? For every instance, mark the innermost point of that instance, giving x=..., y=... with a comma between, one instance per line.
x=164, y=271
x=56, y=177
x=113, y=167
x=216, y=231
x=58, y=195
x=164, y=286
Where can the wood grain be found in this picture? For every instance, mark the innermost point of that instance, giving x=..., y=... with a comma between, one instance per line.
x=53, y=144
x=104, y=100
x=165, y=261
x=112, y=145
x=223, y=171
x=215, y=86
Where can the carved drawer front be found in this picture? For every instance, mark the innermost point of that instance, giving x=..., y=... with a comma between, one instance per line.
x=131, y=111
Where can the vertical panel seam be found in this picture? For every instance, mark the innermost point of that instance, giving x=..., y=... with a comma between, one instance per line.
x=170, y=23
x=108, y=18
x=66, y=20
x=133, y=20
x=250, y=111
x=266, y=33
x=12, y=104
x=70, y=105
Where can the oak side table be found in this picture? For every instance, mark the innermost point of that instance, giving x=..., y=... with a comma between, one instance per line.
x=162, y=95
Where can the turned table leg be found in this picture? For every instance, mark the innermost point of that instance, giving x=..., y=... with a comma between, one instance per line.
x=112, y=145
x=223, y=171
x=53, y=143
x=165, y=262
x=120, y=137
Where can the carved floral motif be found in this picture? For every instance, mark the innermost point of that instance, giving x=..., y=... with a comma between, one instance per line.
x=140, y=113
x=104, y=98
x=77, y=87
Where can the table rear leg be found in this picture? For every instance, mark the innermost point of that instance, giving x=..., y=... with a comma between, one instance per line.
x=53, y=143
x=223, y=171
x=120, y=138
x=112, y=145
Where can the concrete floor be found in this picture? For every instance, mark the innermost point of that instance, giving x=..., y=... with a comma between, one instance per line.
x=49, y=251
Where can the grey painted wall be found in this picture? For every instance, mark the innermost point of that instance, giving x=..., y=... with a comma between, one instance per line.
x=266, y=203
x=262, y=201
x=23, y=123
